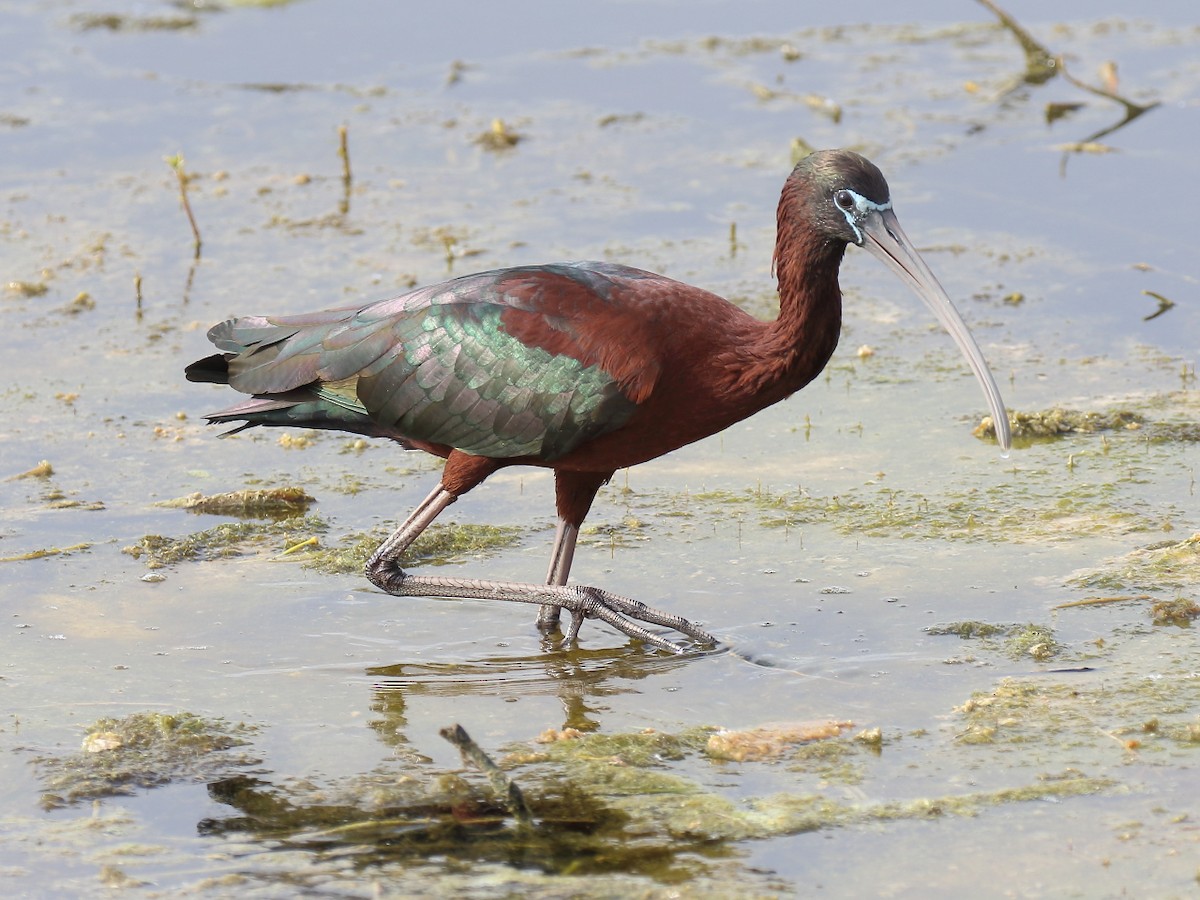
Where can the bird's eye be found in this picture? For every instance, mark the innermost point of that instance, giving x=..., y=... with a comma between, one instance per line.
x=844, y=199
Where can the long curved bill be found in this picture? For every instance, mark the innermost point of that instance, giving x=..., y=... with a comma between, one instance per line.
x=886, y=240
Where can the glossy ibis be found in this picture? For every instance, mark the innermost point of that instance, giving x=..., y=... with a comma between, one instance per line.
x=583, y=368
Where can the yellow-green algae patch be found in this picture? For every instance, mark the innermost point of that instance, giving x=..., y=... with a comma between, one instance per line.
x=121, y=23
x=284, y=501
x=41, y=470
x=438, y=545
x=1153, y=714
x=27, y=288
x=145, y=750
x=1017, y=641
x=227, y=539
x=43, y=552
x=1165, y=566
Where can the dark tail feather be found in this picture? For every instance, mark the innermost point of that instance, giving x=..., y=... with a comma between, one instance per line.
x=302, y=407
x=212, y=369
x=298, y=409
x=252, y=412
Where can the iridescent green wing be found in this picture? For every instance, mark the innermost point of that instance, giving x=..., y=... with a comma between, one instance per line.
x=511, y=363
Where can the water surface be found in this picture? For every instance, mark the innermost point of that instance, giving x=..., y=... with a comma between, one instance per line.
x=824, y=540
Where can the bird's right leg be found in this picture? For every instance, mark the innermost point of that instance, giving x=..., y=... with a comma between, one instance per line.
x=561, y=558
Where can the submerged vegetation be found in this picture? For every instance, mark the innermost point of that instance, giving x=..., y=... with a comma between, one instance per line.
x=296, y=538
x=1018, y=641
x=1036, y=504
x=145, y=750
x=590, y=804
x=1006, y=512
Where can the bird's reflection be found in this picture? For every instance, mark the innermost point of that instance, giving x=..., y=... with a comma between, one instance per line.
x=408, y=811
x=577, y=676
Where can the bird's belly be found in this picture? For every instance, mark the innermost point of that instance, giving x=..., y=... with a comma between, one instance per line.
x=649, y=434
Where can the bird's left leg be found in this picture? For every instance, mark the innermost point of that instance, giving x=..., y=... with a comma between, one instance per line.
x=383, y=568
x=574, y=494
x=560, y=570
x=462, y=472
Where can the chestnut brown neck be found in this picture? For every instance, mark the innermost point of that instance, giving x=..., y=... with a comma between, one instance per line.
x=794, y=348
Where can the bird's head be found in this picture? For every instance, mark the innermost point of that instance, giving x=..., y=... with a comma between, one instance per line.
x=840, y=193
x=841, y=197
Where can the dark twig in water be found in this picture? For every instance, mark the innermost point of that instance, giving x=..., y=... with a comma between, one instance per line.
x=344, y=155
x=1040, y=64
x=191, y=277
x=505, y=788
x=176, y=163
x=1163, y=305
x=1132, y=111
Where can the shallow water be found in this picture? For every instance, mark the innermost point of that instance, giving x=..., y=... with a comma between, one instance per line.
x=823, y=540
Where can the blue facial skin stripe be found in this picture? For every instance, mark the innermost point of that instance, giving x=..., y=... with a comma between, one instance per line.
x=862, y=208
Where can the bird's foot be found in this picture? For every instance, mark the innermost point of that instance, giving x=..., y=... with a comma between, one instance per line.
x=581, y=601
x=548, y=619
x=386, y=574
x=584, y=602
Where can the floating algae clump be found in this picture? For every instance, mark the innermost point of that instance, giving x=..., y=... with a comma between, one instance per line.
x=285, y=501
x=1028, y=427
x=1179, y=611
x=769, y=742
x=228, y=539
x=1172, y=565
x=970, y=629
x=1017, y=641
x=1052, y=423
